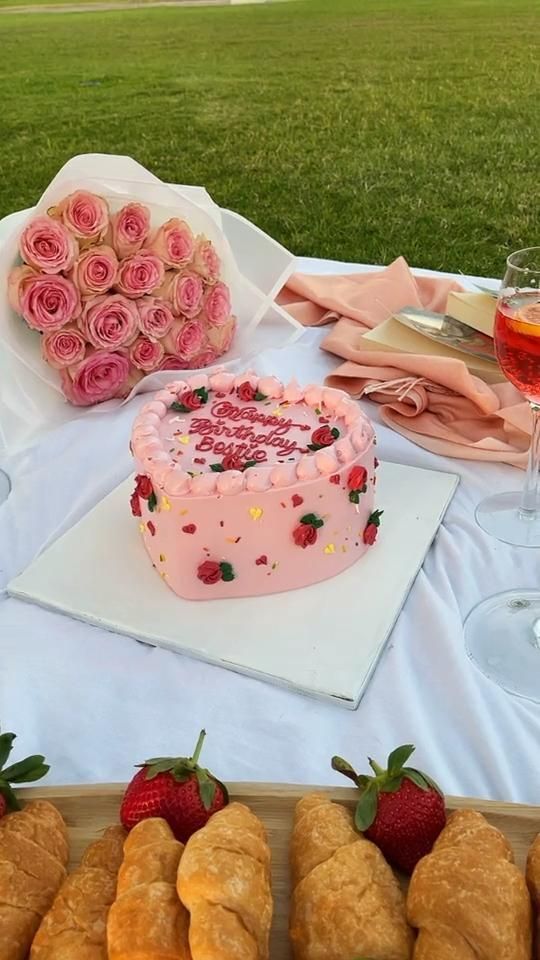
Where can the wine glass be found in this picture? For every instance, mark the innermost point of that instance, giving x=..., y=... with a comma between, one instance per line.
x=515, y=517
x=502, y=634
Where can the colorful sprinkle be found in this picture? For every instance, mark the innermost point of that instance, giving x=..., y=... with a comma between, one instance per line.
x=256, y=513
x=233, y=539
x=151, y=528
x=284, y=505
x=330, y=548
x=262, y=560
x=335, y=478
x=164, y=574
x=222, y=523
x=199, y=459
x=297, y=500
x=275, y=566
x=324, y=419
x=278, y=412
x=183, y=513
x=165, y=503
x=142, y=527
x=343, y=548
x=184, y=439
x=189, y=528
x=162, y=558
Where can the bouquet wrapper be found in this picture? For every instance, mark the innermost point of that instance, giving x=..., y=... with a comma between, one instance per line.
x=254, y=266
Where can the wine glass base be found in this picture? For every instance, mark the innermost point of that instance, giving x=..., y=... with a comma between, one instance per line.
x=5, y=486
x=500, y=516
x=503, y=642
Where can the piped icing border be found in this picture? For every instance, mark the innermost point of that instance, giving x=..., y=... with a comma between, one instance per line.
x=168, y=476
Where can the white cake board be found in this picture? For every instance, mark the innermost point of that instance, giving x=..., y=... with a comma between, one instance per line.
x=323, y=640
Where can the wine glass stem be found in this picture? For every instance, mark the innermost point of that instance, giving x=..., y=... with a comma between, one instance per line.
x=529, y=503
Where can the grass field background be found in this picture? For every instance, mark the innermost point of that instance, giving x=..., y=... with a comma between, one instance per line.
x=350, y=129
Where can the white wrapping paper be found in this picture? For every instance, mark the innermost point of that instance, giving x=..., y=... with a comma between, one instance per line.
x=253, y=265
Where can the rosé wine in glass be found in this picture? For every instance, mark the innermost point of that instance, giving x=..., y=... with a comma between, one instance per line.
x=517, y=342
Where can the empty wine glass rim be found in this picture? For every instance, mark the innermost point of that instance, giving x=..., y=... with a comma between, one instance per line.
x=532, y=252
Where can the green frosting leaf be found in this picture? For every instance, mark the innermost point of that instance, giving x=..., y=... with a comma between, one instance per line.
x=354, y=496
x=152, y=502
x=227, y=572
x=217, y=467
x=179, y=407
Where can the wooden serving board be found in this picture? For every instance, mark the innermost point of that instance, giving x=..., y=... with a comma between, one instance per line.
x=89, y=809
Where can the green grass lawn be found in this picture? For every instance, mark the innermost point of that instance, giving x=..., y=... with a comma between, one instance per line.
x=350, y=129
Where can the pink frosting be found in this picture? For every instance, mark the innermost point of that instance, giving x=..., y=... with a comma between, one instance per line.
x=292, y=393
x=306, y=468
x=313, y=395
x=283, y=475
x=222, y=382
x=332, y=398
x=156, y=406
x=248, y=377
x=230, y=482
x=360, y=440
x=178, y=482
x=197, y=381
x=344, y=450
x=257, y=480
x=204, y=484
x=161, y=473
x=270, y=387
x=326, y=461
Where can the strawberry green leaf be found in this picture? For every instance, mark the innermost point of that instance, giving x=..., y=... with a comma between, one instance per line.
x=207, y=788
x=22, y=772
x=392, y=785
x=416, y=777
x=164, y=765
x=427, y=780
x=6, y=744
x=345, y=768
x=36, y=773
x=366, y=809
x=399, y=757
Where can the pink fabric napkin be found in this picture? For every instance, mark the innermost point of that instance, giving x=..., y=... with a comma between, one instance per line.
x=435, y=402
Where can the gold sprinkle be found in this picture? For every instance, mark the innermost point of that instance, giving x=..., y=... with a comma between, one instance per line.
x=162, y=558
x=163, y=575
x=256, y=513
x=231, y=539
x=278, y=412
x=330, y=548
x=184, y=439
x=275, y=565
x=165, y=503
x=142, y=527
x=183, y=513
x=343, y=548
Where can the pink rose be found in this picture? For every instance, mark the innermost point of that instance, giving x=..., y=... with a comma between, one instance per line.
x=48, y=302
x=164, y=291
x=129, y=229
x=95, y=270
x=101, y=376
x=109, y=321
x=185, y=339
x=17, y=279
x=205, y=260
x=221, y=337
x=63, y=348
x=171, y=362
x=187, y=294
x=146, y=354
x=48, y=245
x=85, y=214
x=217, y=304
x=140, y=274
x=205, y=358
x=173, y=242
x=155, y=317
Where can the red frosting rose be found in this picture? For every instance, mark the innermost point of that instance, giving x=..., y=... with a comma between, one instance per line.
x=209, y=572
x=191, y=400
x=323, y=437
x=357, y=478
x=305, y=535
x=135, y=504
x=246, y=391
x=232, y=462
x=144, y=487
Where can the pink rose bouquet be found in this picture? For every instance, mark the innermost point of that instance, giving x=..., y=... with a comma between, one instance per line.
x=114, y=300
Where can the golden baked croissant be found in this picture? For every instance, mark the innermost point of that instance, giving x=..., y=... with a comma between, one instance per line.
x=33, y=858
x=346, y=902
x=224, y=881
x=467, y=898
x=75, y=928
x=147, y=920
x=533, y=882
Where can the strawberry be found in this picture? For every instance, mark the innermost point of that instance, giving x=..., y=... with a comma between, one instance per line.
x=400, y=809
x=25, y=771
x=177, y=789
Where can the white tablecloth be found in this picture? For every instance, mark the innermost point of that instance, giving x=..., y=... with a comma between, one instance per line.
x=97, y=703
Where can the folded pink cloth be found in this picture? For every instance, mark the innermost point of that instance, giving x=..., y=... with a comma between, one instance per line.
x=435, y=402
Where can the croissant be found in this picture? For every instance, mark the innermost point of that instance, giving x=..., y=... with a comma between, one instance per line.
x=33, y=858
x=346, y=902
x=467, y=898
x=147, y=920
x=75, y=926
x=533, y=882
x=224, y=881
